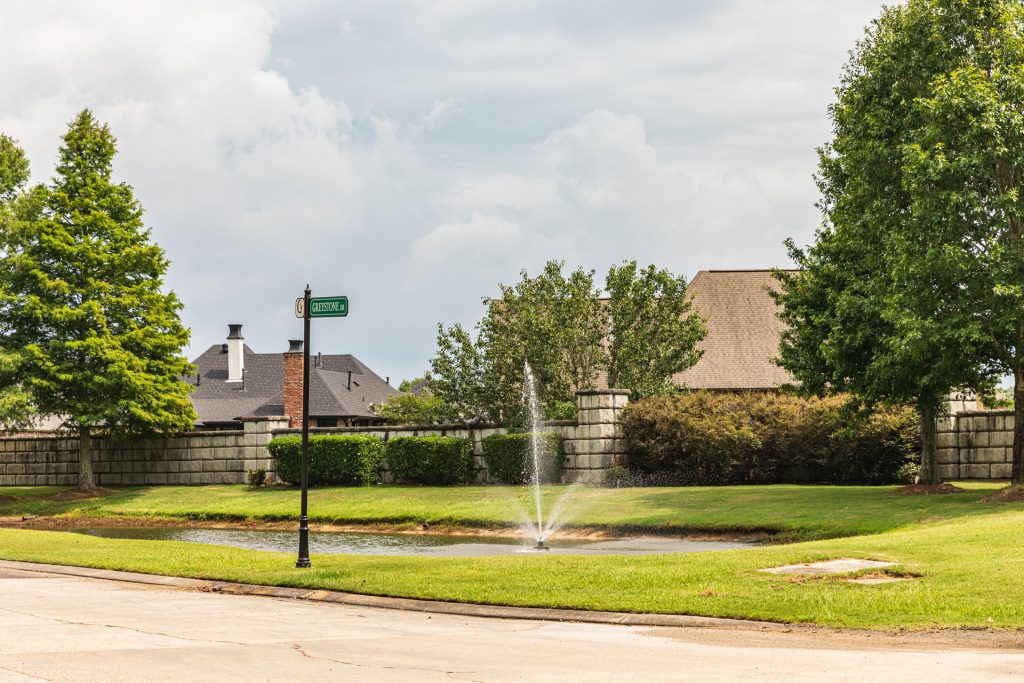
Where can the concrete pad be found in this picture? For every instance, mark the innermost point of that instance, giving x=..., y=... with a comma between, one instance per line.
x=842, y=566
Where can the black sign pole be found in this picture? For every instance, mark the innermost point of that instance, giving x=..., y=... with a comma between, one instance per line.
x=304, y=516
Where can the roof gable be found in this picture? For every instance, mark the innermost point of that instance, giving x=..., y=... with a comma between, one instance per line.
x=743, y=331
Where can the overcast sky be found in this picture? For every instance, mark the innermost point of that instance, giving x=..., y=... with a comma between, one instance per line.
x=412, y=155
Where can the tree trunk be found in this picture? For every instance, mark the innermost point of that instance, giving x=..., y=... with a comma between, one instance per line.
x=929, y=471
x=85, y=480
x=1017, y=476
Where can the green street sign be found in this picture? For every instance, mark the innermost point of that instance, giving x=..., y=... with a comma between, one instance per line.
x=328, y=307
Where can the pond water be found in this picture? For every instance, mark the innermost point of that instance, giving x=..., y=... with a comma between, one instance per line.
x=355, y=543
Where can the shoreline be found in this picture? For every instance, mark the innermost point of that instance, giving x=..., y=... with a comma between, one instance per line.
x=65, y=522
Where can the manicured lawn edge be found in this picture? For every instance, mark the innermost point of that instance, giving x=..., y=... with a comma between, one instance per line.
x=971, y=575
x=789, y=512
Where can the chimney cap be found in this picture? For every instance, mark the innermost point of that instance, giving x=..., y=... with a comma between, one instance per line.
x=235, y=331
x=294, y=346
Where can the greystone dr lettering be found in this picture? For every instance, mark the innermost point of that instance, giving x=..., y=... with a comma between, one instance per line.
x=328, y=307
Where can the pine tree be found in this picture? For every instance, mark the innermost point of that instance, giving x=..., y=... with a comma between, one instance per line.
x=15, y=205
x=81, y=294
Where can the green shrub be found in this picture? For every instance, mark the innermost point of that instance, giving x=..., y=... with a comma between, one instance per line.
x=334, y=460
x=257, y=477
x=509, y=461
x=430, y=459
x=751, y=438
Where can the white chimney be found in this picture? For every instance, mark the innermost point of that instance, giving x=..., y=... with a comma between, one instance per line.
x=236, y=361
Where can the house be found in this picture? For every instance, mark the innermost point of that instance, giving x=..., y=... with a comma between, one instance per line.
x=233, y=381
x=743, y=336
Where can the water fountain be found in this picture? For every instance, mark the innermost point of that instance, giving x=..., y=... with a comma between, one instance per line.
x=533, y=407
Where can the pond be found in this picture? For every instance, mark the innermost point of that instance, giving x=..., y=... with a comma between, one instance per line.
x=356, y=543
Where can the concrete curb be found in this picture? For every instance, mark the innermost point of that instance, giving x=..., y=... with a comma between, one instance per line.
x=404, y=604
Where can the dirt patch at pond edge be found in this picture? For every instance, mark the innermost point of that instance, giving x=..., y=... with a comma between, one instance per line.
x=61, y=522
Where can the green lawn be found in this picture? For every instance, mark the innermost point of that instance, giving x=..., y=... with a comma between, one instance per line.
x=967, y=554
x=972, y=574
x=797, y=512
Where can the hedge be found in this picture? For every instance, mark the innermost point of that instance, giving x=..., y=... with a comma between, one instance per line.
x=509, y=461
x=710, y=438
x=333, y=460
x=430, y=459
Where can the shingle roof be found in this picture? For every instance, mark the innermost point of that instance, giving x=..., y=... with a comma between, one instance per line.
x=743, y=331
x=262, y=392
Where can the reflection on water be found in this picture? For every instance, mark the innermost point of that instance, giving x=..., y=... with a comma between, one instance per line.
x=334, y=542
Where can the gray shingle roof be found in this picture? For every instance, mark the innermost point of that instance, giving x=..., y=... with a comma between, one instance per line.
x=262, y=392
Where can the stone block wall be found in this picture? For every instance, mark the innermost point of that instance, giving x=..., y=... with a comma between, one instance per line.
x=592, y=444
x=192, y=458
x=596, y=443
x=976, y=444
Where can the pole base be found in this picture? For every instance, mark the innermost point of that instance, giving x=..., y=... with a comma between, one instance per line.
x=303, y=563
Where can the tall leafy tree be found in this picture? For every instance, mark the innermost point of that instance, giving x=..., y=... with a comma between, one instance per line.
x=869, y=314
x=654, y=331
x=964, y=173
x=81, y=293
x=457, y=376
x=556, y=323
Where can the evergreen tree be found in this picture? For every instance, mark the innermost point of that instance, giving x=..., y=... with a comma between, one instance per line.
x=81, y=294
x=16, y=205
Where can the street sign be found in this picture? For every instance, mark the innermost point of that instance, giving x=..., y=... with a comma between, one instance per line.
x=307, y=307
x=328, y=307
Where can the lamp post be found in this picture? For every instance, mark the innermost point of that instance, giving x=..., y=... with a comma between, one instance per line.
x=306, y=308
x=303, y=560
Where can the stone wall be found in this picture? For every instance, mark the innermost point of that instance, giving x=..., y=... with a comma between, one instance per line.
x=592, y=445
x=976, y=444
x=193, y=458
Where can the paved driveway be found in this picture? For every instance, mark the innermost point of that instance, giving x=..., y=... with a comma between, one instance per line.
x=68, y=628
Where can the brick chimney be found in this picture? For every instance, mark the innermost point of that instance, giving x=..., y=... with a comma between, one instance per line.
x=293, y=382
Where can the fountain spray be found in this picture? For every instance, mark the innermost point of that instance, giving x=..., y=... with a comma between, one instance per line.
x=533, y=405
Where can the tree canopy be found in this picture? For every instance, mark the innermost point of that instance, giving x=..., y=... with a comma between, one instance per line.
x=81, y=294
x=638, y=337
x=877, y=309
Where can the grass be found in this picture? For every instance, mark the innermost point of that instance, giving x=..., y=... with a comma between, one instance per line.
x=796, y=512
x=966, y=554
x=971, y=574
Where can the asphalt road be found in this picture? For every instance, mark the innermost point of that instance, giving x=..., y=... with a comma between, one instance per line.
x=59, y=628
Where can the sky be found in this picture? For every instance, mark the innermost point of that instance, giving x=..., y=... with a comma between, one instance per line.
x=413, y=155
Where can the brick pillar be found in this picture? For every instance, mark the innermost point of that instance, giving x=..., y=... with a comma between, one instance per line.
x=293, y=382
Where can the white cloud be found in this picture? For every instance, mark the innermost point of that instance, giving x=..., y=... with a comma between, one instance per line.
x=425, y=152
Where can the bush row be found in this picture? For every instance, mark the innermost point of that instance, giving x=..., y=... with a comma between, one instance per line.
x=711, y=438
x=333, y=460
x=510, y=460
x=352, y=460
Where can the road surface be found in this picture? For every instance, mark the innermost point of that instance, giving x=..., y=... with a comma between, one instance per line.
x=63, y=628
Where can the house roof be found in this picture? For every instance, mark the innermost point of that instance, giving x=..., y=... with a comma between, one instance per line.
x=262, y=392
x=743, y=336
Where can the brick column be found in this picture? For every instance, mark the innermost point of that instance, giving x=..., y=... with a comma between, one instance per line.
x=293, y=382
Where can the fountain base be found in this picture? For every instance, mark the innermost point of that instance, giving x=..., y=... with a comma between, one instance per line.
x=540, y=546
